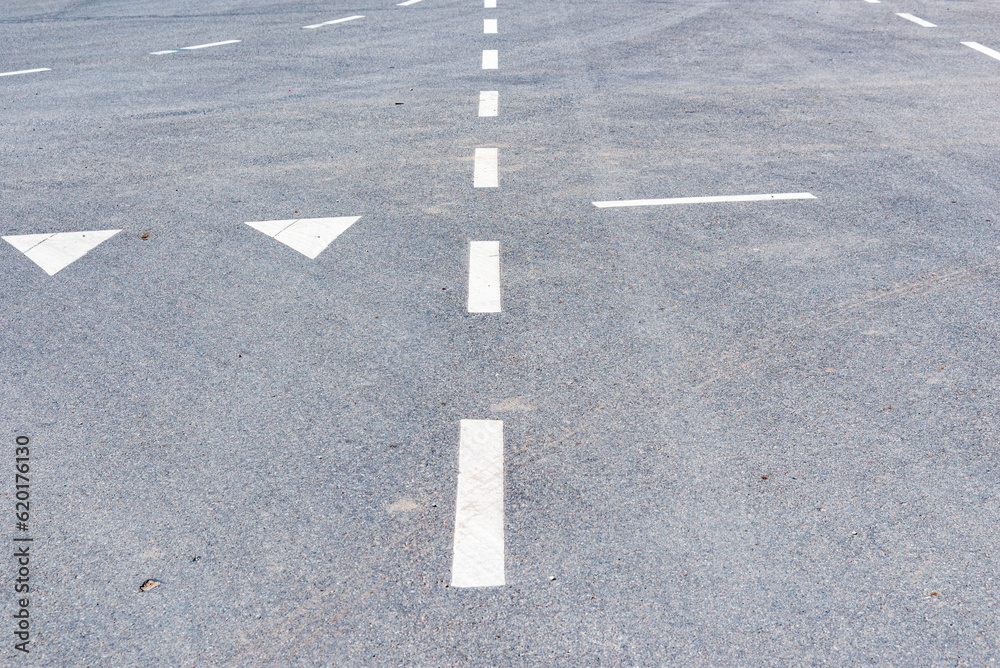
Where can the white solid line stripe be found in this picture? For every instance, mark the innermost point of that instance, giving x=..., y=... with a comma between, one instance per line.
x=160, y=53
x=489, y=26
x=330, y=23
x=40, y=69
x=484, y=172
x=982, y=49
x=484, y=277
x=408, y=2
x=490, y=4
x=490, y=59
x=478, y=559
x=205, y=46
x=489, y=102
x=702, y=200
x=919, y=22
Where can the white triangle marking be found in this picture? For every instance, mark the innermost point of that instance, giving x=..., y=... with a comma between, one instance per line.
x=309, y=236
x=54, y=252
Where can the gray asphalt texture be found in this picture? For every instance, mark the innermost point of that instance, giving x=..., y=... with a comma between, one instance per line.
x=756, y=434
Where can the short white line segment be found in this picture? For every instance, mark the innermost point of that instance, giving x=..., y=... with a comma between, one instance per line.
x=490, y=4
x=40, y=69
x=489, y=102
x=408, y=2
x=54, y=252
x=330, y=23
x=479, y=532
x=874, y=2
x=309, y=236
x=490, y=59
x=484, y=277
x=489, y=26
x=703, y=200
x=918, y=21
x=199, y=46
x=982, y=49
x=484, y=170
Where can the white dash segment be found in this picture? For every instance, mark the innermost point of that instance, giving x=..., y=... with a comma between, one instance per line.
x=40, y=69
x=703, y=200
x=478, y=556
x=330, y=23
x=484, y=277
x=491, y=59
x=408, y=2
x=309, y=236
x=490, y=4
x=874, y=2
x=918, y=21
x=489, y=102
x=484, y=171
x=982, y=49
x=54, y=252
x=489, y=26
x=205, y=46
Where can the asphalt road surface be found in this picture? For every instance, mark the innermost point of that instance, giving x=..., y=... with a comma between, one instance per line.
x=446, y=410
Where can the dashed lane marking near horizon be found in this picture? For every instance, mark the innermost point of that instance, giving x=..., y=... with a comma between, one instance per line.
x=478, y=553
x=489, y=26
x=982, y=49
x=491, y=59
x=874, y=2
x=702, y=200
x=490, y=4
x=330, y=23
x=408, y=2
x=56, y=251
x=485, y=173
x=199, y=46
x=39, y=69
x=484, y=277
x=309, y=236
x=489, y=102
x=918, y=21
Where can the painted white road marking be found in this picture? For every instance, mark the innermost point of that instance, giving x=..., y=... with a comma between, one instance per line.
x=982, y=49
x=490, y=59
x=309, y=236
x=53, y=252
x=40, y=69
x=489, y=26
x=490, y=4
x=484, y=170
x=484, y=277
x=330, y=23
x=199, y=46
x=919, y=22
x=703, y=200
x=874, y=2
x=408, y=2
x=489, y=102
x=479, y=532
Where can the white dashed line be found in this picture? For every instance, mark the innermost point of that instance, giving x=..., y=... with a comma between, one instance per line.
x=408, y=2
x=54, y=252
x=479, y=532
x=874, y=2
x=484, y=170
x=489, y=26
x=918, y=21
x=490, y=4
x=982, y=49
x=703, y=200
x=309, y=236
x=40, y=69
x=491, y=59
x=330, y=23
x=484, y=277
x=199, y=46
x=489, y=102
